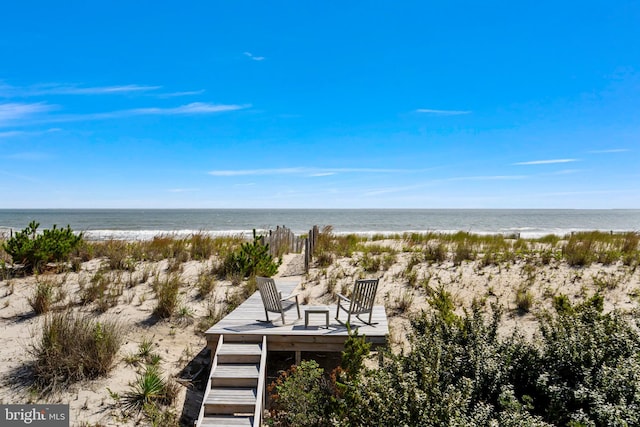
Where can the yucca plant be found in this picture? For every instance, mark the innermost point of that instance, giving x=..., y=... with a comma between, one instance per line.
x=149, y=388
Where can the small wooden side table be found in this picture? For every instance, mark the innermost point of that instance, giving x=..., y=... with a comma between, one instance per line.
x=316, y=310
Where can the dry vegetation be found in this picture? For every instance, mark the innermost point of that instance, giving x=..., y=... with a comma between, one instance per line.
x=144, y=305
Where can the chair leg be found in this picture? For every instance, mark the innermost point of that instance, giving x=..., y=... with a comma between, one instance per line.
x=298, y=307
x=283, y=322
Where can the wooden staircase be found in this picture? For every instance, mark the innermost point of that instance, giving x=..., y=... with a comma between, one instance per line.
x=235, y=391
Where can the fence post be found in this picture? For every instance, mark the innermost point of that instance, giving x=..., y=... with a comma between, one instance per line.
x=307, y=256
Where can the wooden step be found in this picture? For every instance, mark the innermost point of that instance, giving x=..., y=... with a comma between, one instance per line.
x=226, y=421
x=230, y=400
x=235, y=375
x=239, y=353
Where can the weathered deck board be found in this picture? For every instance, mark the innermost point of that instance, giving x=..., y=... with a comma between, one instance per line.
x=247, y=321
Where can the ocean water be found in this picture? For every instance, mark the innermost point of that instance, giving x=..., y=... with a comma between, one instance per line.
x=138, y=224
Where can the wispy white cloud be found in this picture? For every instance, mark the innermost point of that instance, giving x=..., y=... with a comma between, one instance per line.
x=434, y=182
x=314, y=172
x=8, y=91
x=27, y=156
x=442, y=112
x=251, y=172
x=252, y=56
x=182, y=190
x=19, y=133
x=546, y=162
x=96, y=90
x=565, y=172
x=184, y=93
x=319, y=174
x=612, y=150
x=15, y=112
x=487, y=178
x=194, y=108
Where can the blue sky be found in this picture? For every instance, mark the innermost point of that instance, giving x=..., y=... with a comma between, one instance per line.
x=289, y=104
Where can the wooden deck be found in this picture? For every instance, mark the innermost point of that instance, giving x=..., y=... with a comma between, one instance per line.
x=246, y=323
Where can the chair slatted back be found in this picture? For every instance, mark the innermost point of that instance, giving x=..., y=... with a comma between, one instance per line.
x=269, y=293
x=364, y=295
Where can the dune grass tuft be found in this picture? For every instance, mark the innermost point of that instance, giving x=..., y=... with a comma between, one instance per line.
x=74, y=347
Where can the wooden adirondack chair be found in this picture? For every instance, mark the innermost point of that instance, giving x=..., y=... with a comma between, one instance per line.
x=361, y=301
x=272, y=299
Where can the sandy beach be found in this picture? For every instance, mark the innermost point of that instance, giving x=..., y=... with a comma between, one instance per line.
x=405, y=288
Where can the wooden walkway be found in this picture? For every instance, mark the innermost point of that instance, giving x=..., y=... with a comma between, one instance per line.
x=245, y=323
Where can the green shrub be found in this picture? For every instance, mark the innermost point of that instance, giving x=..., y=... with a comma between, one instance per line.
x=301, y=397
x=251, y=259
x=35, y=250
x=562, y=305
x=74, y=347
x=583, y=371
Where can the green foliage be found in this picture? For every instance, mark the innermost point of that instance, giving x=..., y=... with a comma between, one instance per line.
x=435, y=253
x=301, y=397
x=463, y=252
x=35, y=250
x=562, y=304
x=202, y=246
x=524, y=300
x=72, y=348
x=149, y=388
x=42, y=298
x=442, y=302
x=370, y=263
x=356, y=350
x=584, y=371
x=251, y=259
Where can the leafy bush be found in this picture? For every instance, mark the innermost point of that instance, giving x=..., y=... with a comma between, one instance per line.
x=585, y=371
x=251, y=259
x=301, y=397
x=34, y=250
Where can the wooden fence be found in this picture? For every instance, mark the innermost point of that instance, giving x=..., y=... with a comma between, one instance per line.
x=283, y=241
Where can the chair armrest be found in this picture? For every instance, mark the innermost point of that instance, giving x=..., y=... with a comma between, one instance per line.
x=291, y=295
x=342, y=297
